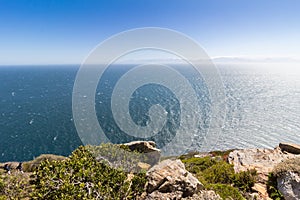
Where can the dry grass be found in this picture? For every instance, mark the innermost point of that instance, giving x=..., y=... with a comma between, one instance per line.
x=31, y=165
x=288, y=165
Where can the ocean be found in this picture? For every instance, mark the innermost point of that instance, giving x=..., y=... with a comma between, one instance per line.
x=262, y=108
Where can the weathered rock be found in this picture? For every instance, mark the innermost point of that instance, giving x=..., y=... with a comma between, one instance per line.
x=142, y=146
x=148, y=148
x=288, y=184
x=202, y=195
x=263, y=160
x=262, y=191
x=144, y=166
x=290, y=148
x=172, y=179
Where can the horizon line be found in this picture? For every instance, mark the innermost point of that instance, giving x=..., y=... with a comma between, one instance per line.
x=217, y=59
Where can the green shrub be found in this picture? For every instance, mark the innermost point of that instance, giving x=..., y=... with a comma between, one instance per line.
x=285, y=166
x=219, y=175
x=1, y=186
x=15, y=186
x=196, y=165
x=2, y=197
x=245, y=180
x=83, y=177
x=221, y=172
x=272, y=190
x=226, y=191
x=118, y=156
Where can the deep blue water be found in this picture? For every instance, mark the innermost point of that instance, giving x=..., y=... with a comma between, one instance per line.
x=262, y=109
x=36, y=112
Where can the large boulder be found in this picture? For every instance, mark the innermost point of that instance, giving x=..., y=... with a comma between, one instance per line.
x=288, y=184
x=148, y=148
x=290, y=148
x=172, y=180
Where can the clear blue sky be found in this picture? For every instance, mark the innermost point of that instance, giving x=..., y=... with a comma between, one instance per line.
x=64, y=31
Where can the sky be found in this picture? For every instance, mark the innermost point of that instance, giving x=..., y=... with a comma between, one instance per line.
x=65, y=31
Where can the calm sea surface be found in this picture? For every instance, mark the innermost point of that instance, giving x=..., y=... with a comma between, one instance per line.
x=262, y=108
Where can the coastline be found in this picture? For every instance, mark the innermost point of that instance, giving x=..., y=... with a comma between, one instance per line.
x=268, y=164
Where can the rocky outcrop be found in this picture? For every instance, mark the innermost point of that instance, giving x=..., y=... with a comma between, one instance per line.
x=148, y=148
x=290, y=148
x=263, y=161
x=288, y=184
x=288, y=178
x=170, y=180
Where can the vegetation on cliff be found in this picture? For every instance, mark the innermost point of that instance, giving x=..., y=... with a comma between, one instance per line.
x=83, y=177
x=216, y=174
x=80, y=176
x=289, y=165
x=92, y=172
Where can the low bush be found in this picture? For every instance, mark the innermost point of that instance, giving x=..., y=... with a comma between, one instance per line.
x=1, y=186
x=272, y=190
x=118, y=156
x=245, y=180
x=226, y=191
x=196, y=165
x=292, y=165
x=219, y=175
x=15, y=186
x=220, y=172
x=83, y=177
